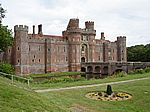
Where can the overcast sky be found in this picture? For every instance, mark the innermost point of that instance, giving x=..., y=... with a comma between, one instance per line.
x=130, y=18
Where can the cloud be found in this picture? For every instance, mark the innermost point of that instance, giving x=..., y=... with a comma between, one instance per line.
x=114, y=17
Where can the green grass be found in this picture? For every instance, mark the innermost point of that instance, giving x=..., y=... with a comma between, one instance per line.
x=76, y=98
x=17, y=99
x=54, y=74
x=86, y=82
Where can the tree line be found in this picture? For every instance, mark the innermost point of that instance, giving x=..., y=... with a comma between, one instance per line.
x=139, y=53
x=6, y=37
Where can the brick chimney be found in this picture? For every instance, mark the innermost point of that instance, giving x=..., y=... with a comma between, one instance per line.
x=102, y=36
x=33, y=29
x=40, y=29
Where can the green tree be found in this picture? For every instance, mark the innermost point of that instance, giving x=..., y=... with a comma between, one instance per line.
x=7, y=68
x=139, y=53
x=6, y=38
x=2, y=13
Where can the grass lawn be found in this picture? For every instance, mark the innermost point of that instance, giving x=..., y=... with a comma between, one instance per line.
x=75, y=99
x=85, y=82
x=14, y=99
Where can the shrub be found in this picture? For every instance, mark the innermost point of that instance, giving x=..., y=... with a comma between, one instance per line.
x=109, y=90
x=139, y=71
x=6, y=68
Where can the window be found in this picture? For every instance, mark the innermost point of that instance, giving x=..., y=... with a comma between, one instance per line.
x=64, y=49
x=18, y=61
x=39, y=48
x=29, y=47
x=39, y=60
x=99, y=58
x=34, y=56
x=18, y=48
x=32, y=60
x=48, y=49
x=82, y=48
x=66, y=59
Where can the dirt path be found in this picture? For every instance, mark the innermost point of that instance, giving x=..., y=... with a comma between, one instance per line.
x=93, y=85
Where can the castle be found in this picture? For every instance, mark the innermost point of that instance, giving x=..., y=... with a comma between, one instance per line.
x=39, y=53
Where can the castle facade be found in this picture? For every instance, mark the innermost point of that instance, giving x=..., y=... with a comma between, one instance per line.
x=39, y=53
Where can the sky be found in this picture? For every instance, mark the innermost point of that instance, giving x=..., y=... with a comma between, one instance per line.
x=130, y=18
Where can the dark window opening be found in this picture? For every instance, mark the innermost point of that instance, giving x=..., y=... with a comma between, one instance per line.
x=39, y=60
x=66, y=59
x=99, y=58
x=33, y=60
x=64, y=49
x=82, y=48
x=39, y=48
x=18, y=48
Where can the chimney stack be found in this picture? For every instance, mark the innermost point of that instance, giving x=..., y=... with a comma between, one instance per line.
x=33, y=29
x=40, y=29
x=102, y=36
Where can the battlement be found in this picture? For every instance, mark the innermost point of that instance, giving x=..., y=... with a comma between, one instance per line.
x=20, y=28
x=121, y=37
x=89, y=25
x=73, y=23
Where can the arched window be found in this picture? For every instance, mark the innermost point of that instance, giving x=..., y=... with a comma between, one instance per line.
x=82, y=59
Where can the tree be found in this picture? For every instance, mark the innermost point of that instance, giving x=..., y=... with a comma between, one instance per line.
x=139, y=53
x=2, y=13
x=6, y=38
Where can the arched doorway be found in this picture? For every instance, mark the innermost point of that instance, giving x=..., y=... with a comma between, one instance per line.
x=82, y=59
x=105, y=70
x=97, y=69
x=89, y=69
x=83, y=69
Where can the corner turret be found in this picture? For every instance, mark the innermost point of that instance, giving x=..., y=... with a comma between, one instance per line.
x=121, y=49
x=89, y=25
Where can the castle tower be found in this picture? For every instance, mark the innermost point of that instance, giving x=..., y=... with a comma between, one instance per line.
x=74, y=36
x=21, y=49
x=121, y=49
x=91, y=33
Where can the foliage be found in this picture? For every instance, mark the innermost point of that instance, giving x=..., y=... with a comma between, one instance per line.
x=6, y=68
x=119, y=74
x=54, y=74
x=6, y=38
x=139, y=53
x=139, y=71
x=2, y=13
x=65, y=79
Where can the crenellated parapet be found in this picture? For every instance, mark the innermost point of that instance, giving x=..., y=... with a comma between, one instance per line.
x=73, y=24
x=89, y=25
x=20, y=28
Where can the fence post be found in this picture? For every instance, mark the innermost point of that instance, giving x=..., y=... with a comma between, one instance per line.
x=12, y=79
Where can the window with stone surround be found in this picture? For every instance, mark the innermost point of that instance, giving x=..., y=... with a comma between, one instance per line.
x=39, y=48
x=64, y=49
x=29, y=47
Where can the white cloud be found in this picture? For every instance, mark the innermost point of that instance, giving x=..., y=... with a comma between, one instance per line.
x=114, y=17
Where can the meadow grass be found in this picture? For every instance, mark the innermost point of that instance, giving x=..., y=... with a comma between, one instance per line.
x=86, y=82
x=76, y=98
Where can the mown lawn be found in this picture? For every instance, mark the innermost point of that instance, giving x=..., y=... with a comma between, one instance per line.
x=85, y=82
x=70, y=99
x=17, y=99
